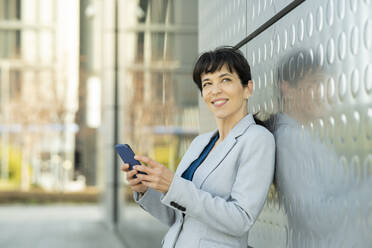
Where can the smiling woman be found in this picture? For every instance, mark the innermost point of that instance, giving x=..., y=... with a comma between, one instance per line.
x=221, y=183
x=224, y=94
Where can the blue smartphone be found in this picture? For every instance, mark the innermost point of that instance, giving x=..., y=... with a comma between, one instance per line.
x=127, y=155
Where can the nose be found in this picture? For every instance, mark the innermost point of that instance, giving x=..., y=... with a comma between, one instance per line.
x=216, y=88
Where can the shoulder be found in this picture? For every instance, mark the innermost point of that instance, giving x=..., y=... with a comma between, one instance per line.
x=257, y=134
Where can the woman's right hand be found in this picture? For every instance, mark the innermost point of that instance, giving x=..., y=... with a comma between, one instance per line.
x=134, y=183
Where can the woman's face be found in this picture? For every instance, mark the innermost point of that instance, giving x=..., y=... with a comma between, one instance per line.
x=224, y=94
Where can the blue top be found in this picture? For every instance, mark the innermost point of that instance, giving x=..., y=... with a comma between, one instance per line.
x=189, y=173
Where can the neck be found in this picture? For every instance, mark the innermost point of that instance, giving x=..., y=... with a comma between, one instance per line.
x=225, y=125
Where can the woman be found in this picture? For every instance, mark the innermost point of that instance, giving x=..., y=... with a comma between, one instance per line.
x=222, y=181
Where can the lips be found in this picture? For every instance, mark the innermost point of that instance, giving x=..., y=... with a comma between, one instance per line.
x=219, y=102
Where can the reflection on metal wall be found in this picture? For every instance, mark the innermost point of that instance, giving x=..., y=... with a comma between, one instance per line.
x=312, y=71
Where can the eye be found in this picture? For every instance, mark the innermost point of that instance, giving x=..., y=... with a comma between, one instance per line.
x=205, y=84
x=226, y=80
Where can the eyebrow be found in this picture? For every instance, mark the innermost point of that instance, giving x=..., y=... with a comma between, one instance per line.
x=220, y=76
x=225, y=74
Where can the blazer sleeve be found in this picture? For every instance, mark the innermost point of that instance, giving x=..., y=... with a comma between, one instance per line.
x=236, y=215
x=150, y=202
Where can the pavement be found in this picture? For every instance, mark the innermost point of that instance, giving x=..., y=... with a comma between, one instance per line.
x=55, y=226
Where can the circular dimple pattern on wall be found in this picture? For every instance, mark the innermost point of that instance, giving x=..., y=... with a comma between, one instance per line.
x=354, y=5
x=277, y=43
x=369, y=125
x=299, y=65
x=331, y=51
x=335, y=35
x=330, y=89
x=319, y=18
x=301, y=30
x=369, y=215
x=342, y=87
x=310, y=24
x=342, y=46
x=320, y=53
x=293, y=35
x=271, y=77
x=368, y=79
x=259, y=82
x=355, y=83
x=321, y=90
x=341, y=8
x=271, y=106
x=331, y=129
x=354, y=40
x=310, y=57
x=253, y=12
x=259, y=56
x=330, y=12
x=292, y=69
x=285, y=39
x=368, y=34
x=271, y=48
x=356, y=174
x=265, y=52
x=355, y=126
x=343, y=127
x=253, y=58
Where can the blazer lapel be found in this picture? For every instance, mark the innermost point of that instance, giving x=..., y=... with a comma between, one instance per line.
x=194, y=152
x=216, y=156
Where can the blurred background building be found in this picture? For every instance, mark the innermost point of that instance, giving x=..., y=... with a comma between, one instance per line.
x=78, y=77
x=39, y=86
x=149, y=98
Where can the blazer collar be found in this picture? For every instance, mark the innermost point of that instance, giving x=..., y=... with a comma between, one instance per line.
x=216, y=156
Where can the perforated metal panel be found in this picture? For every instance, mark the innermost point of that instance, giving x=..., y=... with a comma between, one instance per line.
x=312, y=73
x=258, y=12
x=221, y=23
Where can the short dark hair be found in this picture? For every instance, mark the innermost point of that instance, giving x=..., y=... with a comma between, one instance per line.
x=211, y=61
x=296, y=65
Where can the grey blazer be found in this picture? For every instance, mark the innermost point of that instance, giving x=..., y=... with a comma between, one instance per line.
x=220, y=205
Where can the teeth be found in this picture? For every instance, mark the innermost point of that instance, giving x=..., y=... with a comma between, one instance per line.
x=219, y=101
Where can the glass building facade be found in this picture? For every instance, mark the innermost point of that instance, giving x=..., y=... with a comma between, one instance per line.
x=157, y=102
x=38, y=79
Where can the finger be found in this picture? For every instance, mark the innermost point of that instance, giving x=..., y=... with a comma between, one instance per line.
x=148, y=184
x=131, y=174
x=125, y=167
x=147, y=178
x=143, y=159
x=152, y=163
x=143, y=168
x=134, y=181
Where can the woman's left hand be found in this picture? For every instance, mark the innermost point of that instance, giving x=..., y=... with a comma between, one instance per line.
x=158, y=176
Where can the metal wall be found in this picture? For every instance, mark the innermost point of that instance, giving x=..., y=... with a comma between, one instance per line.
x=312, y=73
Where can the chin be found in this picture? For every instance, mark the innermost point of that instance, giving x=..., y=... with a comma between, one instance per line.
x=221, y=115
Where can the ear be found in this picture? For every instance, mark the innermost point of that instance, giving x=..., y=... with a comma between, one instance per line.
x=248, y=89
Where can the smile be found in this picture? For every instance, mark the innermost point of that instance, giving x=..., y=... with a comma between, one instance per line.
x=219, y=102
